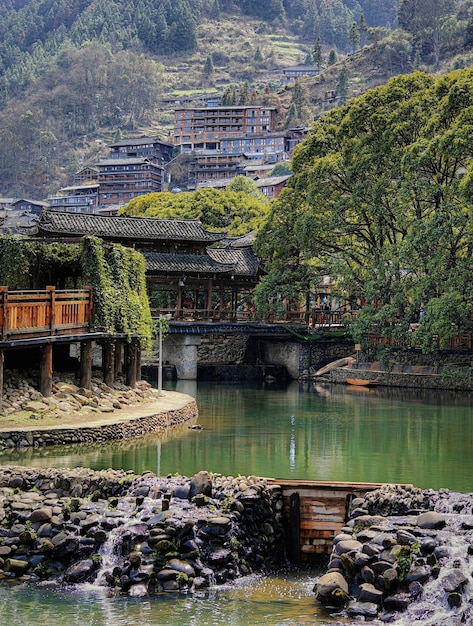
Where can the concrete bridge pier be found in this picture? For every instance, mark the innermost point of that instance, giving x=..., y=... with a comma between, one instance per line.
x=181, y=351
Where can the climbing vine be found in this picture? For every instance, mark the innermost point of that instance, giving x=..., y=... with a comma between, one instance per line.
x=118, y=277
x=116, y=273
x=27, y=264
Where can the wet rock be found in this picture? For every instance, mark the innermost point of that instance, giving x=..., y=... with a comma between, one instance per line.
x=332, y=589
x=431, y=520
x=369, y=593
x=181, y=566
x=80, y=572
x=454, y=600
x=201, y=483
x=397, y=603
x=348, y=546
x=454, y=581
x=363, y=609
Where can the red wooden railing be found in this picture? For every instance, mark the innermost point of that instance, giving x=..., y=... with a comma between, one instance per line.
x=47, y=312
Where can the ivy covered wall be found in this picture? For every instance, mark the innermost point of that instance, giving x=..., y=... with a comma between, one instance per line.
x=116, y=273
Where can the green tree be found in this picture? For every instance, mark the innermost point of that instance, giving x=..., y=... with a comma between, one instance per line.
x=299, y=109
x=342, y=85
x=354, y=36
x=236, y=211
x=209, y=66
x=247, y=186
x=317, y=53
x=289, y=273
x=382, y=197
x=332, y=57
x=423, y=19
x=362, y=29
x=281, y=169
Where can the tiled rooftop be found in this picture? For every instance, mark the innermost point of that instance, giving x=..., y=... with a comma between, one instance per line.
x=244, y=260
x=119, y=228
x=185, y=263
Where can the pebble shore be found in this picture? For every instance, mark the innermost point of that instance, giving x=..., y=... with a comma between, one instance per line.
x=72, y=414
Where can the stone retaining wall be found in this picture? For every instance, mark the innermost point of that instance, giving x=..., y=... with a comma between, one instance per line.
x=124, y=429
x=448, y=380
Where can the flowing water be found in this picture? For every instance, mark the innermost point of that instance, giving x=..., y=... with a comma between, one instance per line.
x=312, y=432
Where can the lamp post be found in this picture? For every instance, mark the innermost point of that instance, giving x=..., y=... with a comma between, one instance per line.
x=160, y=352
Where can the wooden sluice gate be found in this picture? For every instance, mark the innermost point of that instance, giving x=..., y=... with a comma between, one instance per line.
x=314, y=512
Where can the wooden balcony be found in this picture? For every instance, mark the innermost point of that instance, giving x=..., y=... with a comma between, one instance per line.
x=49, y=312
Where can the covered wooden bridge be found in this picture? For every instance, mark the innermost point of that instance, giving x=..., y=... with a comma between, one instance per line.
x=191, y=273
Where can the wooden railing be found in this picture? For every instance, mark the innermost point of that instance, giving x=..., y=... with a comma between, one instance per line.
x=320, y=318
x=461, y=342
x=46, y=312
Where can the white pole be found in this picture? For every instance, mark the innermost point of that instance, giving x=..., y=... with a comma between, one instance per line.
x=160, y=352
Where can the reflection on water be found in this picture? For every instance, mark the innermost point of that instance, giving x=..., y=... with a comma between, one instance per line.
x=286, y=599
x=318, y=432
x=310, y=432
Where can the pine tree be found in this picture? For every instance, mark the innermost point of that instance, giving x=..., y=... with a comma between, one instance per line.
x=209, y=66
x=342, y=85
x=317, y=53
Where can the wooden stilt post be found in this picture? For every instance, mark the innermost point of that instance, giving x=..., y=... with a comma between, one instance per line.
x=138, y=362
x=130, y=364
x=46, y=370
x=86, y=364
x=108, y=362
x=118, y=357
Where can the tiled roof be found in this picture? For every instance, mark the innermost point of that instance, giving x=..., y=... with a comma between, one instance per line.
x=272, y=180
x=123, y=228
x=245, y=241
x=244, y=259
x=185, y=263
x=126, y=161
x=139, y=141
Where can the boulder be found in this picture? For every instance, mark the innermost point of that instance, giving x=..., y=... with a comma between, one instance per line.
x=332, y=589
x=431, y=520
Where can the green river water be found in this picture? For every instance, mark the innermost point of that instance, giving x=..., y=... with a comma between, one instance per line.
x=312, y=432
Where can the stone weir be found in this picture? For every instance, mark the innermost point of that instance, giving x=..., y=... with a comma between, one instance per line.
x=404, y=557
x=136, y=534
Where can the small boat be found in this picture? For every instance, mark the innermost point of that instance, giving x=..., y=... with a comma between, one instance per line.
x=361, y=382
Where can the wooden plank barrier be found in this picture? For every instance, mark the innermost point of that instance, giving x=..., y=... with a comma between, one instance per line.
x=314, y=512
x=37, y=313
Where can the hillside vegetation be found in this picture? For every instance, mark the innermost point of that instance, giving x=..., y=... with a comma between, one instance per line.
x=77, y=74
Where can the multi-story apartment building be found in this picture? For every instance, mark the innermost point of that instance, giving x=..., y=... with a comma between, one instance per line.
x=211, y=166
x=203, y=128
x=122, y=179
x=76, y=199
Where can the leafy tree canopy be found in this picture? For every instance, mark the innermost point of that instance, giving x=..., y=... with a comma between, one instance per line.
x=234, y=211
x=382, y=198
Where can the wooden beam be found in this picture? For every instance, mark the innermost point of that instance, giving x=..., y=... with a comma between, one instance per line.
x=138, y=362
x=46, y=370
x=118, y=367
x=130, y=364
x=86, y=364
x=294, y=526
x=108, y=362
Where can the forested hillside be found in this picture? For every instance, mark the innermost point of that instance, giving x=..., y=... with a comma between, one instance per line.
x=75, y=74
